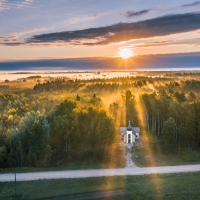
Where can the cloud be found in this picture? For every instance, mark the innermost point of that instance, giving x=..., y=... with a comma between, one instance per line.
x=131, y=14
x=194, y=42
x=6, y=5
x=117, y=33
x=2, y=5
x=93, y=16
x=196, y=3
x=15, y=37
x=82, y=19
x=25, y=3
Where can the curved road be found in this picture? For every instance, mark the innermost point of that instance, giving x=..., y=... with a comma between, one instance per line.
x=98, y=172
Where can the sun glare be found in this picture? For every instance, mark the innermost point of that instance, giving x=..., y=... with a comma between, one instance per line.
x=125, y=53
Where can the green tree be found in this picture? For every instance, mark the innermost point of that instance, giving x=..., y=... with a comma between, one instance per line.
x=180, y=96
x=114, y=108
x=78, y=98
x=3, y=155
x=95, y=101
x=93, y=134
x=29, y=141
x=61, y=128
x=128, y=98
x=169, y=133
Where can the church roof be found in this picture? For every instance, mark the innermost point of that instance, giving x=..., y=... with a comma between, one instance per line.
x=123, y=129
x=134, y=129
x=130, y=128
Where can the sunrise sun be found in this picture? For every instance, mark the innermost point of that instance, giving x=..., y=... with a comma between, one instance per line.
x=125, y=53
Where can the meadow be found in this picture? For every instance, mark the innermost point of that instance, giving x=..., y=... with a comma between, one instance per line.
x=181, y=186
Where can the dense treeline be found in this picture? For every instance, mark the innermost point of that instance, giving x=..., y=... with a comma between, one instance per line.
x=64, y=121
x=41, y=132
x=175, y=121
x=101, y=85
x=85, y=135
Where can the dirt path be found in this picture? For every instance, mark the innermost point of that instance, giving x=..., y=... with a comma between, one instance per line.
x=129, y=162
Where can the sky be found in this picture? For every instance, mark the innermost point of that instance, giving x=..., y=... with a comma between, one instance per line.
x=60, y=29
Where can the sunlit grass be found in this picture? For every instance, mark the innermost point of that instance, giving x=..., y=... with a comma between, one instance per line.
x=180, y=186
x=24, y=83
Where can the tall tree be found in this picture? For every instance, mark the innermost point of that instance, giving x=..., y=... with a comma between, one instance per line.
x=128, y=98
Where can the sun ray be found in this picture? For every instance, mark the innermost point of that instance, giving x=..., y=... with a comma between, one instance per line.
x=140, y=109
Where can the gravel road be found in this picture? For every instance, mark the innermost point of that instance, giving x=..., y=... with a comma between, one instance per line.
x=98, y=172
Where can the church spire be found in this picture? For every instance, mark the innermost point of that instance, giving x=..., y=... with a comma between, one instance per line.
x=129, y=128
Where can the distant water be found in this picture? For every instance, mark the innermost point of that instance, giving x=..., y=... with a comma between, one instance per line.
x=14, y=75
x=72, y=75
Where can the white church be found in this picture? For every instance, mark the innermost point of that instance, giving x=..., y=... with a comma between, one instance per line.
x=130, y=134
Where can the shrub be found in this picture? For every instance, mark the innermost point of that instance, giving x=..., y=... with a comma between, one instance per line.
x=191, y=155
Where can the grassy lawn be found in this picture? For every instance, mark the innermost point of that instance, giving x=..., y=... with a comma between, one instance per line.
x=151, y=153
x=145, y=159
x=168, y=186
x=71, y=166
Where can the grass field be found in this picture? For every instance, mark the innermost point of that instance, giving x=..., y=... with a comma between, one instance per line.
x=168, y=186
x=73, y=166
x=143, y=159
x=151, y=154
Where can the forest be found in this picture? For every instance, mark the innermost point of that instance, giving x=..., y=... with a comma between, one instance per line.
x=57, y=121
